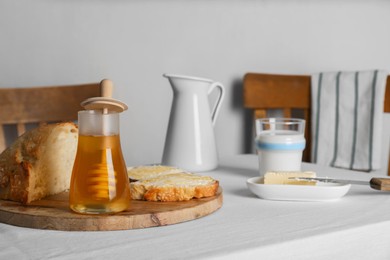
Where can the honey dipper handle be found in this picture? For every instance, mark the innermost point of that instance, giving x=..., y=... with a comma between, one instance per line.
x=106, y=87
x=380, y=184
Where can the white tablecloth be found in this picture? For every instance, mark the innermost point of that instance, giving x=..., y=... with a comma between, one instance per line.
x=355, y=227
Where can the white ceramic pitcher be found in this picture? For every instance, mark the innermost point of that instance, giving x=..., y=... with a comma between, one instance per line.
x=190, y=142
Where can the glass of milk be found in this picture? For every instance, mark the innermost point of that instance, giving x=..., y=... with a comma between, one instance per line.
x=280, y=143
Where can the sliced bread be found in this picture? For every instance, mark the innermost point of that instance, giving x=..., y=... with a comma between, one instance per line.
x=166, y=183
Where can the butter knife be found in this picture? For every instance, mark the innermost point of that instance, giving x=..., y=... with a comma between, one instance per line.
x=382, y=184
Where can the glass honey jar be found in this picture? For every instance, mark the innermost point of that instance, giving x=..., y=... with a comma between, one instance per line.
x=99, y=182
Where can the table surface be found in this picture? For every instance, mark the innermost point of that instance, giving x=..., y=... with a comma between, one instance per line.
x=356, y=226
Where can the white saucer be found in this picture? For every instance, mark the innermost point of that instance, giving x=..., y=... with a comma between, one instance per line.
x=321, y=192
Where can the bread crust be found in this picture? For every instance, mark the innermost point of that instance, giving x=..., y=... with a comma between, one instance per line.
x=19, y=163
x=180, y=193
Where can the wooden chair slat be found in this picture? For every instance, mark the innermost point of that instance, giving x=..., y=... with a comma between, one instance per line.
x=21, y=128
x=2, y=138
x=260, y=113
x=30, y=105
x=287, y=112
x=387, y=96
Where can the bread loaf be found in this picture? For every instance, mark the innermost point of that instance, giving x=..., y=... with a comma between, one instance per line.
x=39, y=163
x=169, y=184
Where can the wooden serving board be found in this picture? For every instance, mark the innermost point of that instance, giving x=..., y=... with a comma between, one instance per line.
x=54, y=213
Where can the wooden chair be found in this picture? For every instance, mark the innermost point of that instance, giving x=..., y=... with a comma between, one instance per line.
x=288, y=93
x=37, y=105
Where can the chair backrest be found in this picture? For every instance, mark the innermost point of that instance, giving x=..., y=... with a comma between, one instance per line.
x=22, y=106
x=287, y=93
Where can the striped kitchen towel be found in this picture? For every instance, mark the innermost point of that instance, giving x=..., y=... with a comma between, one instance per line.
x=347, y=112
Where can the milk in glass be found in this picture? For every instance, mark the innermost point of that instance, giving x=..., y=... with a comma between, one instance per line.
x=279, y=144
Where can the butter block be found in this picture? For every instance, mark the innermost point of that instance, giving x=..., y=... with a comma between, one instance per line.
x=286, y=177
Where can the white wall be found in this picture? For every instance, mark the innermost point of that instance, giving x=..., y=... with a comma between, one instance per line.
x=133, y=42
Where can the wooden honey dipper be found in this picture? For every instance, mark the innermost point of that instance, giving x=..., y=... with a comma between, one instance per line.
x=102, y=179
x=105, y=102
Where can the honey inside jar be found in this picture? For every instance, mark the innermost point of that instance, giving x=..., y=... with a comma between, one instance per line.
x=99, y=181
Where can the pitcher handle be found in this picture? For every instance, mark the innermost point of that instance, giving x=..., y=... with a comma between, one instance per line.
x=217, y=106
